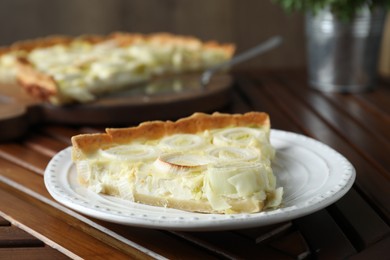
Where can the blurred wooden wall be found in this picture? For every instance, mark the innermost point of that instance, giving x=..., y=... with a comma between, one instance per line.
x=244, y=23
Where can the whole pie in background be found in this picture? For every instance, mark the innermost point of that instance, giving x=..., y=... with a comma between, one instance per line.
x=63, y=70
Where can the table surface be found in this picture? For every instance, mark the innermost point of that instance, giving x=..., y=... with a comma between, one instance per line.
x=33, y=225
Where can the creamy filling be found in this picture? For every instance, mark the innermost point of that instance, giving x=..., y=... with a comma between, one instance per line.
x=215, y=166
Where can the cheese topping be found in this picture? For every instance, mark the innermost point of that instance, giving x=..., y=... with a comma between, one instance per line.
x=217, y=166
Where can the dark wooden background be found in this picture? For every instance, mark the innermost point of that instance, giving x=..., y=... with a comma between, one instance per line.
x=245, y=23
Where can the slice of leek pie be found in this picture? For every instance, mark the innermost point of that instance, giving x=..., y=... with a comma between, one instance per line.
x=219, y=163
x=64, y=69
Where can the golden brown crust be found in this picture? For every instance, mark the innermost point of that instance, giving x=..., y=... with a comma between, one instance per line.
x=87, y=143
x=198, y=122
x=37, y=84
x=195, y=123
x=122, y=38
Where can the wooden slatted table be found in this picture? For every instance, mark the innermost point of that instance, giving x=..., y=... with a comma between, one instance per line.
x=34, y=226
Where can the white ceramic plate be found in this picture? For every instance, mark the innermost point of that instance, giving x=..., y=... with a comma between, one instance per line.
x=313, y=176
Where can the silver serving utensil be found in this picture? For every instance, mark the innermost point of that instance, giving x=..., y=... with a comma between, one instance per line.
x=245, y=56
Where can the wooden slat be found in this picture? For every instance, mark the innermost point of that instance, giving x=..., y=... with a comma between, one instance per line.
x=292, y=244
x=377, y=100
x=24, y=177
x=60, y=133
x=15, y=243
x=380, y=250
x=367, y=116
x=44, y=145
x=163, y=242
x=261, y=234
x=259, y=100
x=325, y=239
x=12, y=236
x=26, y=158
x=283, y=237
x=31, y=253
x=353, y=214
x=230, y=245
x=4, y=222
x=346, y=127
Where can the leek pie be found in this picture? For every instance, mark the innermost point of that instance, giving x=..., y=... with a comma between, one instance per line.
x=219, y=163
x=64, y=69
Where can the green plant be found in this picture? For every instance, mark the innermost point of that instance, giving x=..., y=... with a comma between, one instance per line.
x=344, y=9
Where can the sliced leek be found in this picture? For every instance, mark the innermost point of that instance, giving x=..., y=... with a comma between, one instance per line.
x=240, y=136
x=180, y=162
x=229, y=154
x=181, y=142
x=133, y=152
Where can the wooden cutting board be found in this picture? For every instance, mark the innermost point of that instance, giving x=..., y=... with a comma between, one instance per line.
x=18, y=111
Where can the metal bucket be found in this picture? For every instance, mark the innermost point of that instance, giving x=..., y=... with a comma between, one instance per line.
x=343, y=55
